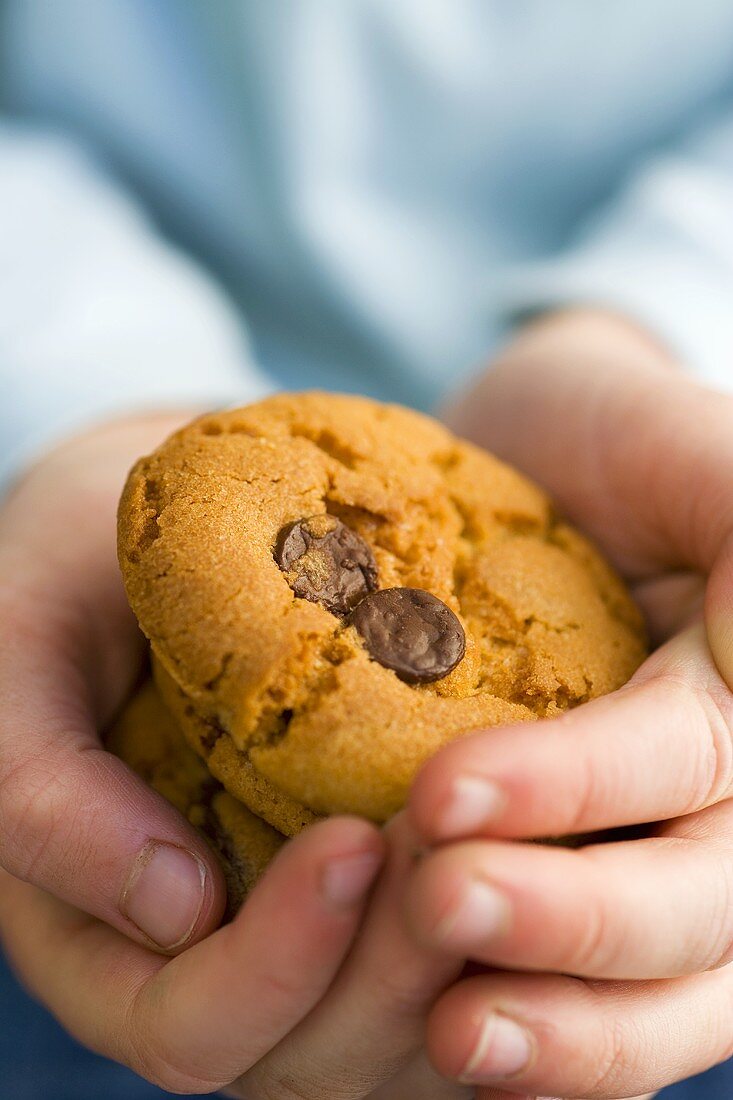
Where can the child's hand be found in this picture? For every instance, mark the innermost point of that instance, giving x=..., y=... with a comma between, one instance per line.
x=76, y=822
x=366, y=1037
x=626, y=946
x=250, y=1008
x=199, y=1021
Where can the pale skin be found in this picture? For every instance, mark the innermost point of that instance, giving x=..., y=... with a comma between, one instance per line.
x=639, y=456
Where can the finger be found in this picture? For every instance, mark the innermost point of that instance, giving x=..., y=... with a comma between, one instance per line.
x=605, y=911
x=77, y=822
x=556, y=1036
x=371, y=1023
x=73, y=819
x=421, y=1081
x=85, y=972
x=418, y=1079
x=656, y=749
x=195, y=1022
x=646, y=513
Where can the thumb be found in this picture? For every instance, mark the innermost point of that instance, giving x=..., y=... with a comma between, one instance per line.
x=73, y=819
x=639, y=455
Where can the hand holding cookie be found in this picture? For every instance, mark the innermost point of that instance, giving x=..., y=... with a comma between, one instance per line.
x=70, y=654
x=86, y=903
x=643, y=924
x=73, y=820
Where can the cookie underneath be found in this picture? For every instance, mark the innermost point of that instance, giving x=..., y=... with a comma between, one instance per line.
x=147, y=738
x=229, y=765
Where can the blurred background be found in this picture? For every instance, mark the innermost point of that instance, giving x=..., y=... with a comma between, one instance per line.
x=203, y=201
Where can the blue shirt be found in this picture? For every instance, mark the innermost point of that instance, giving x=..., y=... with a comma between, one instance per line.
x=380, y=190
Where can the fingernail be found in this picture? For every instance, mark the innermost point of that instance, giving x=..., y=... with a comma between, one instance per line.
x=346, y=880
x=164, y=893
x=473, y=803
x=480, y=914
x=503, y=1049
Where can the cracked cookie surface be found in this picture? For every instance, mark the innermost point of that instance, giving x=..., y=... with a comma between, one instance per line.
x=146, y=736
x=289, y=695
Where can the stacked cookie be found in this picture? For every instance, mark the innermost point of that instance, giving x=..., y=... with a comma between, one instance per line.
x=148, y=738
x=333, y=589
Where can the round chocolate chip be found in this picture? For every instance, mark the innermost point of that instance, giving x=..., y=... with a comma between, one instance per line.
x=412, y=632
x=326, y=562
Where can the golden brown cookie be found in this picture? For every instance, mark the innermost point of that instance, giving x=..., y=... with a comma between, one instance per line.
x=238, y=567
x=147, y=738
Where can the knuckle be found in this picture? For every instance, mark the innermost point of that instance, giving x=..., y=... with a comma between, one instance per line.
x=586, y=798
x=711, y=776
x=169, y=1077
x=310, y=1078
x=595, y=949
x=268, y=1086
x=615, y=1061
x=715, y=1023
x=31, y=799
x=166, y=1068
x=42, y=808
x=403, y=996
x=724, y=1021
x=718, y=947
x=724, y=957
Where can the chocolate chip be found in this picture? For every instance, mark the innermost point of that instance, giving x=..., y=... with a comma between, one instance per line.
x=326, y=562
x=412, y=632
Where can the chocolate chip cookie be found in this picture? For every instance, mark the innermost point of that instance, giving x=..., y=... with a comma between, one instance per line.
x=334, y=588
x=147, y=738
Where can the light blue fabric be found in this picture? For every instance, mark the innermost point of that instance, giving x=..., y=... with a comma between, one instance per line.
x=384, y=188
